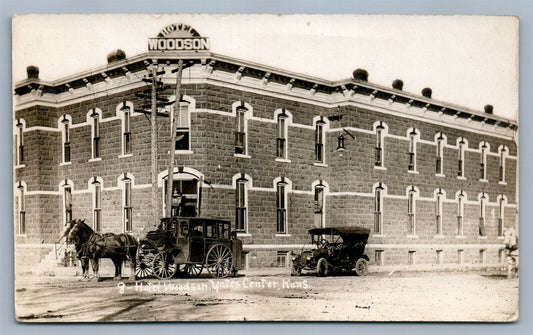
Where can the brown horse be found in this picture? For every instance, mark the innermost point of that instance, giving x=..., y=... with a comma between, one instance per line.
x=93, y=246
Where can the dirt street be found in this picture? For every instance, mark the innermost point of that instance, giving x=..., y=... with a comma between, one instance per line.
x=459, y=296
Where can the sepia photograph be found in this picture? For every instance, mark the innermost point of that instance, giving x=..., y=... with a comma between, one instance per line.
x=260, y=167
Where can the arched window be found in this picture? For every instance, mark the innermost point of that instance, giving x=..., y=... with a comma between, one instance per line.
x=502, y=201
x=320, y=205
x=241, y=202
x=411, y=210
x=460, y=212
x=183, y=128
x=241, y=127
x=378, y=208
x=440, y=142
x=413, y=139
x=482, y=213
x=439, y=198
x=97, y=203
x=503, y=154
x=281, y=206
x=461, y=144
x=127, y=216
x=20, y=202
x=95, y=115
x=281, y=140
x=484, y=148
x=320, y=139
x=65, y=134
x=67, y=202
x=126, y=129
x=20, y=142
x=380, y=129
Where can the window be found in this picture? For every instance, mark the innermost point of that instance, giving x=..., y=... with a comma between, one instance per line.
x=21, y=204
x=281, y=207
x=460, y=213
x=482, y=256
x=482, y=204
x=128, y=209
x=483, y=164
x=411, y=219
x=319, y=206
x=412, y=149
x=438, y=211
x=440, y=257
x=281, y=141
x=97, y=205
x=411, y=257
x=460, y=256
x=501, y=214
x=184, y=196
x=240, y=131
x=379, y=145
x=503, y=154
x=319, y=141
x=240, y=205
x=126, y=131
x=20, y=142
x=439, y=155
x=95, y=135
x=378, y=209
x=460, y=157
x=66, y=139
x=183, y=128
x=67, y=198
x=281, y=259
x=378, y=257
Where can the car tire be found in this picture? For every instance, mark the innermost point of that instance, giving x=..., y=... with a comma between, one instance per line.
x=361, y=267
x=322, y=267
x=296, y=271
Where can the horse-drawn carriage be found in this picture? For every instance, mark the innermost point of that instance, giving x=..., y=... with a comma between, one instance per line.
x=187, y=245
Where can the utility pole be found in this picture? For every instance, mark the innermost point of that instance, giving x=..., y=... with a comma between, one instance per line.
x=175, y=115
x=153, y=119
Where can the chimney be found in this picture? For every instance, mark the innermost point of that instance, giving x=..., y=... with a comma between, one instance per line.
x=488, y=109
x=116, y=56
x=427, y=92
x=360, y=75
x=397, y=84
x=33, y=72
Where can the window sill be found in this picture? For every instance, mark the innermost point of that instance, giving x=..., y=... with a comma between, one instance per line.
x=125, y=155
x=412, y=171
x=241, y=156
x=320, y=164
x=283, y=160
x=439, y=236
x=283, y=235
x=440, y=175
x=20, y=166
x=482, y=237
x=244, y=235
x=183, y=152
x=64, y=163
x=502, y=183
x=95, y=159
x=461, y=177
x=460, y=237
x=483, y=181
x=411, y=236
x=380, y=168
x=378, y=235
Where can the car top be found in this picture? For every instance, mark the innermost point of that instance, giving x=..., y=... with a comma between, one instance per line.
x=348, y=234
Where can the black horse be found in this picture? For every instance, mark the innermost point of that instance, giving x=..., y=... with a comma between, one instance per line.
x=92, y=246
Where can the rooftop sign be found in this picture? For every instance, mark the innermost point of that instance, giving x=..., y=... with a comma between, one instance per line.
x=178, y=37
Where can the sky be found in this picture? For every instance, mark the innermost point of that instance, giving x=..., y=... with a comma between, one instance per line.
x=466, y=60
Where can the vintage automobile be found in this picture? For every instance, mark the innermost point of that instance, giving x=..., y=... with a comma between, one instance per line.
x=187, y=245
x=335, y=249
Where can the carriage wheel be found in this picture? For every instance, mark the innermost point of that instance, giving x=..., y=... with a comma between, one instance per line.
x=194, y=270
x=143, y=264
x=164, y=266
x=219, y=261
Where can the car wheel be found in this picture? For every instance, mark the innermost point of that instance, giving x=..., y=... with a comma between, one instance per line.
x=322, y=267
x=296, y=271
x=361, y=267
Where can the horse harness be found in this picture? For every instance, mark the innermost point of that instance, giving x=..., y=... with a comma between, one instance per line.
x=92, y=241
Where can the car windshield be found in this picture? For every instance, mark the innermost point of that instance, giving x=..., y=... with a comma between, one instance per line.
x=326, y=238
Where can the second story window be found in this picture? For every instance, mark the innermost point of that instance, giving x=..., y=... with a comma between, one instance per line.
x=183, y=128
x=412, y=150
x=411, y=211
x=240, y=205
x=503, y=155
x=65, y=123
x=240, y=131
x=438, y=211
x=461, y=144
x=483, y=162
x=439, y=154
x=281, y=140
x=126, y=131
x=20, y=142
x=378, y=209
x=319, y=141
x=95, y=135
x=460, y=213
x=482, y=205
x=379, y=145
x=281, y=207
